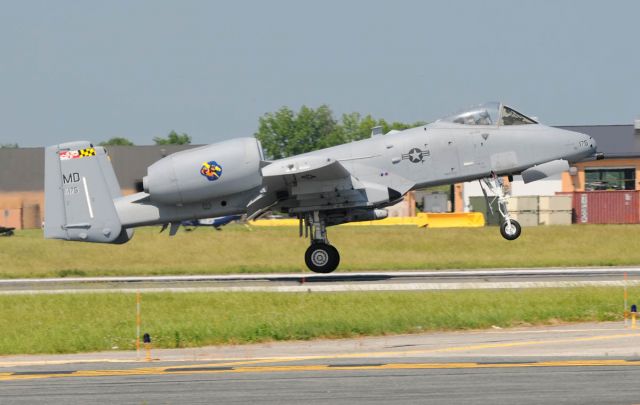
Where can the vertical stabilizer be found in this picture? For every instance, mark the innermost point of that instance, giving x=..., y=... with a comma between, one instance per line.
x=79, y=187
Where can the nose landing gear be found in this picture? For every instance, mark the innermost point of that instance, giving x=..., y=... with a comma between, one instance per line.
x=510, y=229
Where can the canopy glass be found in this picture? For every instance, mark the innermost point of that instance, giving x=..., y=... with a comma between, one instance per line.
x=491, y=113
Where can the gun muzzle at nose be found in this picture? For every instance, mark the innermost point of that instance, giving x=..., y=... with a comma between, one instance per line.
x=595, y=156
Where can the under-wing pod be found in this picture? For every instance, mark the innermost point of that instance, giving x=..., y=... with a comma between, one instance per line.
x=544, y=170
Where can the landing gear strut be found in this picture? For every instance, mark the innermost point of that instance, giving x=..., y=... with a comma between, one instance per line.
x=510, y=229
x=320, y=257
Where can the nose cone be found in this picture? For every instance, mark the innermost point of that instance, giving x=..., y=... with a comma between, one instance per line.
x=580, y=146
x=587, y=142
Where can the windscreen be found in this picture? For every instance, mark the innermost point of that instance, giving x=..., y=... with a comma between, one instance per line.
x=512, y=117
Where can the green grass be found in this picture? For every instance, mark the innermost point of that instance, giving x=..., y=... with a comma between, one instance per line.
x=89, y=322
x=239, y=249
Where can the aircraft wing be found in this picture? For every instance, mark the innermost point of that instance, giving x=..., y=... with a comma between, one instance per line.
x=310, y=183
x=307, y=168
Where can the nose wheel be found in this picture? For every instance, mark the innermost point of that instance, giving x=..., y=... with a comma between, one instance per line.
x=510, y=230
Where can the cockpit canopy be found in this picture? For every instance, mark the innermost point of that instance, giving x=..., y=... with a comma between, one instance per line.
x=492, y=113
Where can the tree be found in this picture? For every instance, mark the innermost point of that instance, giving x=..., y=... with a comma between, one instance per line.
x=286, y=133
x=117, y=141
x=173, y=139
x=9, y=145
x=355, y=127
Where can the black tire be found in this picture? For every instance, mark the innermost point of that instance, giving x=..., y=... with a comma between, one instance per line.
x=322, y=258
x=513, y=233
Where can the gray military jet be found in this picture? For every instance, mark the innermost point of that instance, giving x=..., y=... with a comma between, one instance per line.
x=345, y=183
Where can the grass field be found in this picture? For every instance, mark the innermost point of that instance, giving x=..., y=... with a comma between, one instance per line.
x=240, y=249
x=88, y=322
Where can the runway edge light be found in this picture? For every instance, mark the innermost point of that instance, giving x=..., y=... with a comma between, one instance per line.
x=146, y=338
x=626, y=312
x=138, y=322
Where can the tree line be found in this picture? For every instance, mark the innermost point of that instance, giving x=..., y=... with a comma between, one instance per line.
x=173, y=138
x=286, y=132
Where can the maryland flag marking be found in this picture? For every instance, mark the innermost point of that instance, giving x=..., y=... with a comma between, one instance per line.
x=77, y=154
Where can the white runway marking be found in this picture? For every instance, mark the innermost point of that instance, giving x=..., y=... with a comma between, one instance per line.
x=339, y=287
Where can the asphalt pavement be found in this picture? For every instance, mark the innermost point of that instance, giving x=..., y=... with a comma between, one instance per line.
x=572, y=364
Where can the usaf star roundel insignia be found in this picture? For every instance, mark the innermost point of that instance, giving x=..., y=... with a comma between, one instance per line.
x=211, y=170
x=415, y=155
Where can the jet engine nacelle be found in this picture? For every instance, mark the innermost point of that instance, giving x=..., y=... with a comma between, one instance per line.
x=208, y=172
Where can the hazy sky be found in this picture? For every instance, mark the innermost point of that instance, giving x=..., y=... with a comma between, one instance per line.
x=97, y=69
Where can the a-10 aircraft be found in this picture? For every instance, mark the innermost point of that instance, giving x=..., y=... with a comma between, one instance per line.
x=345, y=183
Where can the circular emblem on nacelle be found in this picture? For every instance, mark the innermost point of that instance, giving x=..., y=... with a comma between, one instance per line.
x=211, y=170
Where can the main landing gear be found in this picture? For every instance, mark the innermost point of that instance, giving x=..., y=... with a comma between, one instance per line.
x=320, y=257
x=510, y=229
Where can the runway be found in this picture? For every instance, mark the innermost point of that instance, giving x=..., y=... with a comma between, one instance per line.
x=347, y=281
x=581, y=364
